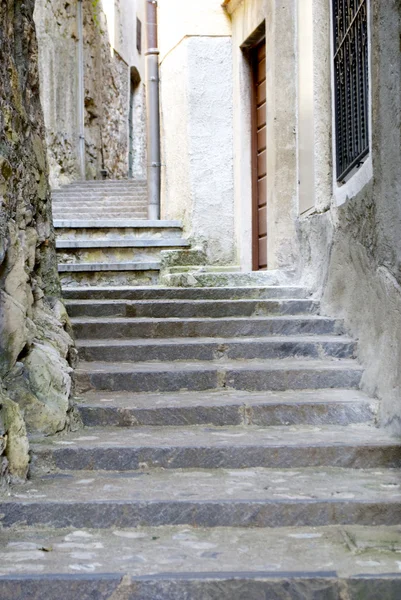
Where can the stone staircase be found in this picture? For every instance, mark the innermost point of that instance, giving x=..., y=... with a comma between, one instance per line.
x=227, y=454
x=104, y=236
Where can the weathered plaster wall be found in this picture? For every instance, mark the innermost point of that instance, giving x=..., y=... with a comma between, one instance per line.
x=352, y=253
x=109, y=53
x=197, y=130
x=35, y=347
x=180, y=18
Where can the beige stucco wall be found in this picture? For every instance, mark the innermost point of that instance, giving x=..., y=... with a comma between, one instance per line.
x=181, y=18
x=197, y=124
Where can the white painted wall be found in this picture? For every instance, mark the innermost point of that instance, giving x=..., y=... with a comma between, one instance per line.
x=197, y=138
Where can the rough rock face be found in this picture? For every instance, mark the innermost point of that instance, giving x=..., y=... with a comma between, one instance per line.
x=106, y=80
x=35, y=347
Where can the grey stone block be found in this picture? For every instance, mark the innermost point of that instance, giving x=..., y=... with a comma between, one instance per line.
x=124, y=328
x=139, y=350
x=191, y=309
x=158, y=293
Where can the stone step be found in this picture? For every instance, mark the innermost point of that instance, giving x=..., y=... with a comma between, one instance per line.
x=235, y=498
x=126, y=328
x=99, y=193
x=106, y=182
x=275, y=375
x=70, y=206
x=116, y=224
x=135, y=293
x=190, y=308
x=121, y=243
x=138, y=350
x=226, y=407
x=204, y=278
x=101, y=204
x=94, y=217
x=135, y=229
x=206, y=447
x=122, y=266
x=184, y=562
x=113, y=278
x=119, y=253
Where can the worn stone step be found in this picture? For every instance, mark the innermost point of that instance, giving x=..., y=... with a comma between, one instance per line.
x=86, y=216
x=183, y=562
x=203, y=277
x=222, y=498
x=219, y=293
x=206, y=447
x=138, y=350
x=124, y=328
x=123, y=266
x=107, y=182
x=113, y=278
x=108, y=208
x=122, y=243
x=190, y=308
x=115, y=254
x=226, y=407
x=136, y=230
x=275, y=375
x=76, y=206
x=115, y=223
x=107, y=193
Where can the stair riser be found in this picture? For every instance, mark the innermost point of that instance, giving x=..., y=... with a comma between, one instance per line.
x=202, y=586
x=100, y=194
x=215, y=351
x=188, y=310
x=264, y=415
x=201, y=514
x=230, y=457
x=99, y=216
x=112, y=278
x=223, y=279
x=226, y=328
x=95, y=206
x=115, y=233
x=187, y=294
x=213, y=379
x=107, y=256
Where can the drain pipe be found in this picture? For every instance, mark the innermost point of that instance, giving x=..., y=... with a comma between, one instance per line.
x=81, y=91
x=153, y=114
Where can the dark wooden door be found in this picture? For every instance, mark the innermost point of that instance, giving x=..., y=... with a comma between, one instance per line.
x=259, y=209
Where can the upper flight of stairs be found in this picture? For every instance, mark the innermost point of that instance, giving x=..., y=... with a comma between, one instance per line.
x=109, y=199
x=104, y=236
x=227, y=454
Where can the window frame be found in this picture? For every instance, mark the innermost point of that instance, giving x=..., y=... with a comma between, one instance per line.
x=359, y=102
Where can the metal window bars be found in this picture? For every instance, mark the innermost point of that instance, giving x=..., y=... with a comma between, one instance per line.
x=351, y=83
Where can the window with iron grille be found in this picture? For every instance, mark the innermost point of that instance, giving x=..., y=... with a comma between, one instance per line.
x=351, y=83
x=139, y=35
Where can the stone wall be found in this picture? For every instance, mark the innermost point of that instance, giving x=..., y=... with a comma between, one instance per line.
x=106, y=82
x=352, y=252
x=36, y=350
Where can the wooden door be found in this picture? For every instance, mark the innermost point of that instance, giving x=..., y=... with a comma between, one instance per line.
x=259, y=200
